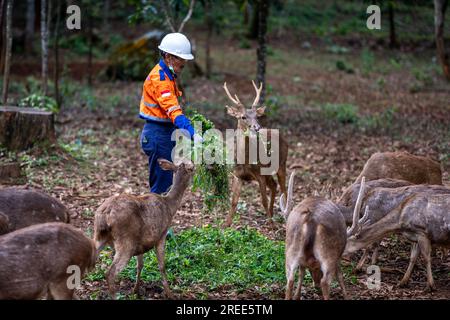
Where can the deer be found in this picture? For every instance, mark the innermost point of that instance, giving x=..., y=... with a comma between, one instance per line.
x=402, y=168
x=347, y=204
x=401, y=165
x=135, y=224
x=420, y=212
x=38, y=260
x=20, y=208
x=316, y=236
x=247, y=120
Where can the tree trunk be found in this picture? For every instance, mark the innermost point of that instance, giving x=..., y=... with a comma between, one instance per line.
x=440, y=7
x=261, y=51
x=106, y=10
x=392, y=36
x=209, y=24
x=90, y=49
x=56, y=54
x=2, y=51
x=29, y=29
x=44, y=46
x=21, y=128
x=9, y=9
x=254, y=26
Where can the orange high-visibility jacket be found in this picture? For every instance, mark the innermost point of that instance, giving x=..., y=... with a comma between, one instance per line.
x=160, y=94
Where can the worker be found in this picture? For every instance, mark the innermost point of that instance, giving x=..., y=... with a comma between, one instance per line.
x=161, y=110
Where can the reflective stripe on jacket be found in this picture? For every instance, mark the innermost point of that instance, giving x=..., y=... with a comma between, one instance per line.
x=160, y=94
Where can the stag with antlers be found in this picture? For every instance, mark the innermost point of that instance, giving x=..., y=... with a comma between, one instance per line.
x=249, y=171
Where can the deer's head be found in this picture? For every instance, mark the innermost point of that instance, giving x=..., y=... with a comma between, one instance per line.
x=247, y=117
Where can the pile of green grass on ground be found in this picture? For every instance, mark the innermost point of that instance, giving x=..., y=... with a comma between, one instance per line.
x=212, y=259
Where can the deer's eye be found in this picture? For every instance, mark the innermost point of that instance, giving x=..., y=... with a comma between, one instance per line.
x=243, y=117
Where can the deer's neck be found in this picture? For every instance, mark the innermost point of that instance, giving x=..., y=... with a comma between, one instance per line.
x=175, y=195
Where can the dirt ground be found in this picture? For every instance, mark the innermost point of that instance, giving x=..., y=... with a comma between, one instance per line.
x=326, y=155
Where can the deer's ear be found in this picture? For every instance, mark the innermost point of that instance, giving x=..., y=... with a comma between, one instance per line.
x=260, y=111
x=234, y=112
x=166, y=164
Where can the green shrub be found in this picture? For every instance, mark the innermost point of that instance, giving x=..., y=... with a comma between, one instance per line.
x=343, y=113
x=342, y=66
x=40, y=102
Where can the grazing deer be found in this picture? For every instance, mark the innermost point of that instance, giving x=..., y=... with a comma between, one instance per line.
x=401, y=166
x=247, y=120
x=20, y=208
x=347, y=204
x=40, y=259
x=397, y=166
x=135, y=224
x=420, y=212
x=315, y=239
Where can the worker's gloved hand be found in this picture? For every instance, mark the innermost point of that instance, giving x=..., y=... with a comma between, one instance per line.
x=197, y=139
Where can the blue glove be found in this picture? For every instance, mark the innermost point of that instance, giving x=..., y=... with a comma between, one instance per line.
x=183, y=122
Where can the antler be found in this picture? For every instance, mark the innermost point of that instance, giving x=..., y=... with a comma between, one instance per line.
x=258, y=93
x=235, y=100
x=358, y=204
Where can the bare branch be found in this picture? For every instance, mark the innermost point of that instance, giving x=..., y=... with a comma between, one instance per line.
x=166, y=14
x=188, y=16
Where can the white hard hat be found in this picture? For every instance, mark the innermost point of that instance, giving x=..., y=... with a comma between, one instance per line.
x=177, y=44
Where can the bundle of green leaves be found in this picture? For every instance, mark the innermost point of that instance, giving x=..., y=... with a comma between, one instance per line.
x=210, y=179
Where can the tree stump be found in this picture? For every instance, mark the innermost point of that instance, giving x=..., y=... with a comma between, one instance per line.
x=21, y=128
x=11, y=173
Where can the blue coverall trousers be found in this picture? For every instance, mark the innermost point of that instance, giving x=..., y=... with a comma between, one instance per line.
x=156, y=143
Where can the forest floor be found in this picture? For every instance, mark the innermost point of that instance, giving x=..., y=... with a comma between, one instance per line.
x=336, y=109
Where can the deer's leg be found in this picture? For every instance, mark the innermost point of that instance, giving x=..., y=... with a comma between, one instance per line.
x=263, y=192
x=160, y=249
x=375, y=253
x=60, y=290
x=273, y=191
x=121, y=259
x=326, y=282
x=361, y=262
x=236, y=187
x=281, y=175
x=291, y=267
x=340, y=279
x=425, y=249
x=298, y=291
x=140, y=265
x=317, y=276
x=412, y=261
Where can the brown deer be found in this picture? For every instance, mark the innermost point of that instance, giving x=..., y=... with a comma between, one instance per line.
x=36, y=261
x=420, y=212
x=135, y=224
x=247, y=121
x=402, y=168
x=20, y=208
x=401, y=165
x=315, y=239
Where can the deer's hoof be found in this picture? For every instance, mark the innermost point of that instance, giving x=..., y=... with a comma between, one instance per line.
x=429, y=288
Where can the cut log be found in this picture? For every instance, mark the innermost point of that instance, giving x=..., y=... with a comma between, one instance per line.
x=21, y=128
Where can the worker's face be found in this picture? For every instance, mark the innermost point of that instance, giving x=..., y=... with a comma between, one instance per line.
x=176, y=62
